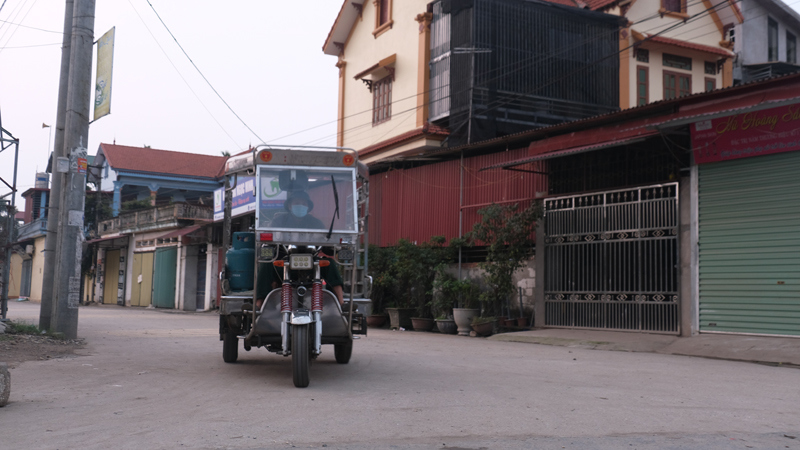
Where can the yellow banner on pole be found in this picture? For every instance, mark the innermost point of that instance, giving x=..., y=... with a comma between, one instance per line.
x=105, y=66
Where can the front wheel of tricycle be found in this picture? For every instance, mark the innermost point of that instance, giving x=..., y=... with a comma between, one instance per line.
x=230, y=347
x=300, y=360
x=342, y=352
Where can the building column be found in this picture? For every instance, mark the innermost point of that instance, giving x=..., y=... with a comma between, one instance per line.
x=538, y=283
x=340, y=110
x=117, y=198
x=153, y=193
x=423, y=67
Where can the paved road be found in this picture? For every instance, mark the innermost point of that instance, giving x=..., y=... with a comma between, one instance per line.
x=151, y=379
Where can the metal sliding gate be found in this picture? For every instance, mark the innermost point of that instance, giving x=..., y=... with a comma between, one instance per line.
x=611, y=260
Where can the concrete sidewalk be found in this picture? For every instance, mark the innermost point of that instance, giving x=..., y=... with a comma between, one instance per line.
x=758, y=349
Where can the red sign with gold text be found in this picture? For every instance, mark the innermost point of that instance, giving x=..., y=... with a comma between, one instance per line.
x=766, y=132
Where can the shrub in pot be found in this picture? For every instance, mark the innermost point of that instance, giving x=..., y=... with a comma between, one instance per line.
x=506, y=231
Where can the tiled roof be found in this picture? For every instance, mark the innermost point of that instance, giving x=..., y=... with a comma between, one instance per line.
x=689, y=45
x=138, y=159
x=596, y=5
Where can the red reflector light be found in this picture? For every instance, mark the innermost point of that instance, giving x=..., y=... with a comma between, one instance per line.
x=278, y=263
x=324, y=263
x=266, y=237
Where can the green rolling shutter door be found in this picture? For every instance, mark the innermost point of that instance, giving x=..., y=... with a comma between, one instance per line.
x=749, y=245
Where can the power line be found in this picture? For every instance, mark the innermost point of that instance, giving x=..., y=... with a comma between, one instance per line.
x=538, y=59
x=182, y=78
x=31, y=46
x=201, y=73
x=32, y=28
x=23, y=19
x=522, y=64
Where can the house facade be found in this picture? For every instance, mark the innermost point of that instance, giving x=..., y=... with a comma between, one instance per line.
x=382, y=50
x=674, y=217
x=769, y=30
x=157, y=254
x=27, y=257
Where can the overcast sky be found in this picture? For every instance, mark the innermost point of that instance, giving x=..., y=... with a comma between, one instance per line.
x=263, y=57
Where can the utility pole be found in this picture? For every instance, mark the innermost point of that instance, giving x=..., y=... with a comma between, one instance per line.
x=76, y=137
x=48, y=272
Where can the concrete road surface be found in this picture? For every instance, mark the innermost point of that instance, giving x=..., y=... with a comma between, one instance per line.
x=152, y=379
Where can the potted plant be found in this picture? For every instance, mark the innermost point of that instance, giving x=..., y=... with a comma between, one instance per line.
x=383, y=282
x=506, y=231
x=414, y=264
x=483, y=326
x=468, y=300
x=446, y=290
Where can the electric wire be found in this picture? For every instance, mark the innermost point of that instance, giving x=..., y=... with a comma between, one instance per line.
x=668, y=28
x=30, y=46
x=535, y=59
x=201, y=73
x=182, y=77
x=22, y=20
x=30, y=27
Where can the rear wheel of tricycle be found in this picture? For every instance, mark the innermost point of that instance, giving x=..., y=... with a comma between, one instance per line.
x=300, y=361
x=342, y=352
x=230, y=347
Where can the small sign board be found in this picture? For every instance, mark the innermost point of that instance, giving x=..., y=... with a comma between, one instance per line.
x=82, y=164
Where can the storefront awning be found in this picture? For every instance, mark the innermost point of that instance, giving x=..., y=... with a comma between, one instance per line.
x=572, y=151
x=180, y=232
x=107, y=238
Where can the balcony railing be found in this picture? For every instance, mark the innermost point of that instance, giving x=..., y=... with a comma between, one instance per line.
x=155, y=218
x=31, y=230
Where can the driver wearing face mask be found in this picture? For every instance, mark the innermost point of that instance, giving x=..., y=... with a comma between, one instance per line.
x=298, y=206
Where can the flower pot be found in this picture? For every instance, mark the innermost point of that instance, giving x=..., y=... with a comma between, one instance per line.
x=484, y=328
x=422, y=324
x=376, y=320
x=446, y=326
x=522, y=322
x=463, y=318
x=400, y=317
x=509, y=323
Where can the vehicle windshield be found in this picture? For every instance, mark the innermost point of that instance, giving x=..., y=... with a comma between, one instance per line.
x=306, y=199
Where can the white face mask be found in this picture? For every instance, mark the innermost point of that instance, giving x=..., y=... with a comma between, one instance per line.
x=299, y=210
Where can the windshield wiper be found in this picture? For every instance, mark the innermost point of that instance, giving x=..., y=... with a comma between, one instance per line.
x=336, y=212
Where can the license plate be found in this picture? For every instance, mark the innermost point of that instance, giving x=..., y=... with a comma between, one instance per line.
x=301, y=262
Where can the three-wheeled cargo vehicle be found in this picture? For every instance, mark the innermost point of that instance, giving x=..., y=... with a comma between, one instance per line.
x=286, y=278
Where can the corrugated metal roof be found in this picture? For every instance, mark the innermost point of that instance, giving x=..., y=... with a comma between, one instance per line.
x=573, y=150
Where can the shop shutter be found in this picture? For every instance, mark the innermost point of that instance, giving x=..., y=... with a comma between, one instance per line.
x=749, y=245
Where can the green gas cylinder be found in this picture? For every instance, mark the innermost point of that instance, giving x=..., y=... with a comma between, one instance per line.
x=240, y=260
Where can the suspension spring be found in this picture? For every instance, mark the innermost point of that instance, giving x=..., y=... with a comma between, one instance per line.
x=316, y=296
x=286, y=297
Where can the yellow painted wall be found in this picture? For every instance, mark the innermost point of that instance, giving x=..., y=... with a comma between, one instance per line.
x=15, y=275
x=702, y=30
x=37, y=267
x=657, y=68
x=362, y=51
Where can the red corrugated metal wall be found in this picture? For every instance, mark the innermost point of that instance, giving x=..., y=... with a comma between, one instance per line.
x=418, y=203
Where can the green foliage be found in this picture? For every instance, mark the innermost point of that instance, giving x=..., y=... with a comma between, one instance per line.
x=449, y=291
x=134, y=205
x=96, y=209
x=403, y=276
x=477, y=320
x=383, y=281
x=506, y=232
x=24, y=328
